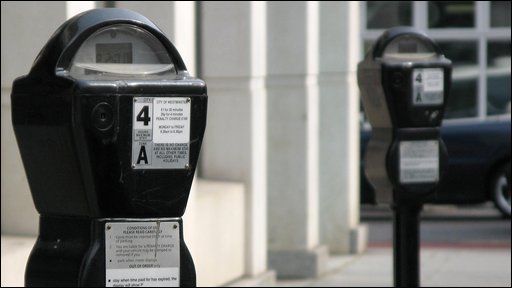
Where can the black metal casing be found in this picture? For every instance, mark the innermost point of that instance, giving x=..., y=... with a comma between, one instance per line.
x=386, y=89
x=75, y=140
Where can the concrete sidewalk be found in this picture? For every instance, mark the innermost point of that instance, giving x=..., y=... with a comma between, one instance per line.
x=440, y=267
x=467, y=266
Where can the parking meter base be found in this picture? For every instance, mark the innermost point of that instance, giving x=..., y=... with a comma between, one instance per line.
x=404, y=175
x=71, y=252
x=130, y=257
x=57, y=255
x=416, y=161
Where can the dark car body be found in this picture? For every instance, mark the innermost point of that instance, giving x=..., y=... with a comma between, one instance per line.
x=476, y=149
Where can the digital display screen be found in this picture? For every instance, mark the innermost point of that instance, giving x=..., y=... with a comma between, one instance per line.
x=114, y=53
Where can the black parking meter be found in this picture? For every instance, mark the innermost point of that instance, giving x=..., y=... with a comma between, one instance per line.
x=404, y=82
x=109, y=124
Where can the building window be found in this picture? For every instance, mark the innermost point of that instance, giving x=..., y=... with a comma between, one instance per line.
x=463, y=100
x=475, y=35
x=445, y=14
x=384, y=14
x=500, y=14
x=498, y=77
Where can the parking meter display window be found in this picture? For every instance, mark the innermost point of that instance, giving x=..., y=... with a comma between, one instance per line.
x=114, y=53
x=407, y=47
x=419, y=161
x=142, y=254
x=427, y=86
x=161, y=133
x=122, y=51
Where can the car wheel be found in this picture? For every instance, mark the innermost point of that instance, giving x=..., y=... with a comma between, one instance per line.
x=500, y=189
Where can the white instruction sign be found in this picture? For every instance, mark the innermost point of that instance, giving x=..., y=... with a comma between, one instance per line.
x=161, y=132
x=428, y=86
x=419, y=161
x=172, y=120
x=142, y=254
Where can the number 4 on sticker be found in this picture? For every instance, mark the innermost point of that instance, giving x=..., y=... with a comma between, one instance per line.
x=418, y=78
x=143, y=115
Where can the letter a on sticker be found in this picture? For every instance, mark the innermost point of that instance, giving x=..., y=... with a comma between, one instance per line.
x=418, y=98
x=142, y=155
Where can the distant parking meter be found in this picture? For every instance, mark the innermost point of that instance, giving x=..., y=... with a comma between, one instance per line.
x=404, y=81
x=109, y=124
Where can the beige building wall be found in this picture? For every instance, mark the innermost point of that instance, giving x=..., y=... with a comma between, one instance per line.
x=20, y=47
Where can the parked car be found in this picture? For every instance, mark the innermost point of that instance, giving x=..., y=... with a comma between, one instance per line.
x=478, y=167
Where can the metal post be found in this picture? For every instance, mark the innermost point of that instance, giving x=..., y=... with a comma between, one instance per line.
x=406, y=252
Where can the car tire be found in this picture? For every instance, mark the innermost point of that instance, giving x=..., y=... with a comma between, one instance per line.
x=500, y=189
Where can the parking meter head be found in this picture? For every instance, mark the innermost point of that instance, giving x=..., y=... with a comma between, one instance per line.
x=404, y=80
x=108, y=121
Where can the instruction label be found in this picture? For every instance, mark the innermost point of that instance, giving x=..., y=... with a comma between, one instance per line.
x=428, y=86
x=142, y=254
x=161, y=132
x=419, y=161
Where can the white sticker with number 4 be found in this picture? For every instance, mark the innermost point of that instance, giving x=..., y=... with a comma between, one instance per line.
x=161, y=132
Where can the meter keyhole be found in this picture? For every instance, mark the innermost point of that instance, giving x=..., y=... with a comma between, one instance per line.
x=102, y=116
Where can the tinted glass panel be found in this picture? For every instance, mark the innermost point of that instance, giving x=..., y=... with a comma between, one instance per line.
x=500, y=13
x=386, y=14
x=462, y=101
x=498, y=78
x=447, y=14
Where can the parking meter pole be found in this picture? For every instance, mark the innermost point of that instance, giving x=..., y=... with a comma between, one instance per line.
x=406, y=252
